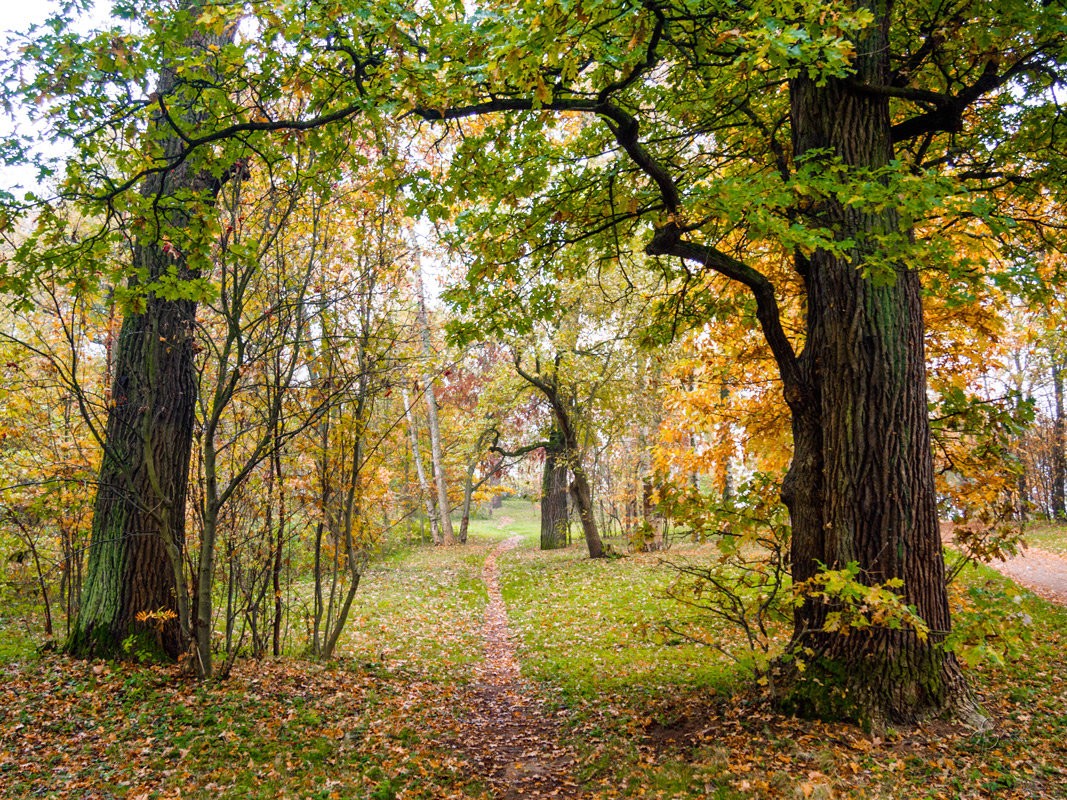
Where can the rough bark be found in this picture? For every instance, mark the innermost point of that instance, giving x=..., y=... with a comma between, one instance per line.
x=579, y=488
x=138, y=529
x=861, y=486
x=1059, y=457
x=554, y=495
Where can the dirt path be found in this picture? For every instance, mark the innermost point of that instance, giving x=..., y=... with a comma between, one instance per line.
x=509, y=736
x=1043, y=573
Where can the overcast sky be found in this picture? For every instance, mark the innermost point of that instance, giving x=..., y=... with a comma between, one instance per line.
x=18, y=15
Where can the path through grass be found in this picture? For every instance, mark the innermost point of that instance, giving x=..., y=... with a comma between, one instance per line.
x=645, y=716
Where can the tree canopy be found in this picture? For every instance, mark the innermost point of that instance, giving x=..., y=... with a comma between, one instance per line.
x=809, y=170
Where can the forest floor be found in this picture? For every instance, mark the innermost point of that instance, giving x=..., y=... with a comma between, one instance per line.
x=495, y=671
x=510, y=735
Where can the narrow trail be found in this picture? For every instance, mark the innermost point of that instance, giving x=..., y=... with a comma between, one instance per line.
x=509, y=735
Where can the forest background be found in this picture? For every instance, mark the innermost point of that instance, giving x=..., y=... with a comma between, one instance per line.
x=781, y=280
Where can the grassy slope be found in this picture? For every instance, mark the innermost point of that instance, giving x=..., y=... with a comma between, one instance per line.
x=661, y=719
x=650, y=718
x=1048, y=536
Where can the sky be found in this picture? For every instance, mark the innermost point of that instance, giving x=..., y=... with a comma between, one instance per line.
x=18, y=15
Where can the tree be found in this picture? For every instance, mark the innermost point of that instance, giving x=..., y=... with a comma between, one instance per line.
x=53, y=399
x=821, y=153
x=420, y=471
x=554, y=510
x=825, y=140
x=444, y=508
x=357, y=361
x=564, y=412
x=139, y=191
x=138, y=536
x=484, y=402
x=253, y=346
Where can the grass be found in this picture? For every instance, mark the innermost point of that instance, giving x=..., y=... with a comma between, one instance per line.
x=422, y=610
x=595, y=625
x=660, y=718
x=648, y=716
x=1048, y=536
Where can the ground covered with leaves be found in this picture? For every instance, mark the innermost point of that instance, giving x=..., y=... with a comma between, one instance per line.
x=626, y=711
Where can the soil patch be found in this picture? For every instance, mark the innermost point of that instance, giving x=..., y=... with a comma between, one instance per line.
x=508, y=734
x=1043, y=573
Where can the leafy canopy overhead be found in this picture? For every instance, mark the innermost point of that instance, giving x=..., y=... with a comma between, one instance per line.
x=576, y=132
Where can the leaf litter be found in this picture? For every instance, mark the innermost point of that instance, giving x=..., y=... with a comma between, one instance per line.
x=507, y=732
x=430, y=703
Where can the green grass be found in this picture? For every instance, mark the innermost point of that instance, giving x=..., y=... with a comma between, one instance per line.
x=648, y=716
x=422, y=610
x=593, y=625
x=515, y=517
x=1048, y=536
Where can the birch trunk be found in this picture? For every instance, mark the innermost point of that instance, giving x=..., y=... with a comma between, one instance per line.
x=424, y=486
x=448, y=537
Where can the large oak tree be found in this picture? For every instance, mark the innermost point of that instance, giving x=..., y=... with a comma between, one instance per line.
x=803, y=150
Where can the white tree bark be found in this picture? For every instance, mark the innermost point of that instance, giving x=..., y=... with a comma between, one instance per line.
x=437, y=456
x=431, y=512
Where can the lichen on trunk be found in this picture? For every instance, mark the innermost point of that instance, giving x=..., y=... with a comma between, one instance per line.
x=861, y=486
x=134, y=601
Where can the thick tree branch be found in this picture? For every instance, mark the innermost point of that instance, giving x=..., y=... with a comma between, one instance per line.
x=651, y=59
x=231, y=131
x=518, y=453
x=948, y=110
x=668, y=241
x=621, y=123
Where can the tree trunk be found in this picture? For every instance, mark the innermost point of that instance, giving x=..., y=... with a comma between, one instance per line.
x=465, y=513
x=554, y=495
x=580, y=489
x=583, y=501
x=444, y=510
x=650, y=477
x=725, y=477
x=1022, y=513
x=138, y=529
x=276, y=570
x=424, y=485
x=1059, y=457
x=861, y=486
x=437, y=456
